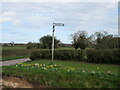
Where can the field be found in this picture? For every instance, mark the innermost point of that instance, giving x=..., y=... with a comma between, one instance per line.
x=17, y=52
x=14, y=48
x=65, y=74
x=59, y=74
x=24, y=47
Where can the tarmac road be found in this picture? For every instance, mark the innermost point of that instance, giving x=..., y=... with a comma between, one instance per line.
x=12, y=62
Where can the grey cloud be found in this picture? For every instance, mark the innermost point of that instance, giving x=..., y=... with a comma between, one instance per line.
x=74, y=14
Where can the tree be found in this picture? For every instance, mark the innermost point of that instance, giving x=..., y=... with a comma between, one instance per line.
x=33, y=45
x=99, y=35
x=12, y=43
x=30, y=45
x=92, y=40
x=109, y=42
x=103, y=40
x=46, y=42
x=80, y=39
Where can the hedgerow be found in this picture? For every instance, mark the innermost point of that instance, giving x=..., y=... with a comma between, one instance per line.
x=91, y=56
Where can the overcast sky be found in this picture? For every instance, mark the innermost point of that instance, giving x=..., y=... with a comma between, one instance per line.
x=28, y=21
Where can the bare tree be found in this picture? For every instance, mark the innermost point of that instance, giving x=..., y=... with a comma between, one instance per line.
x=80, y=39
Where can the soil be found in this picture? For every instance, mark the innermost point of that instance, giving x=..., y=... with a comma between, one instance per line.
x=15, y=82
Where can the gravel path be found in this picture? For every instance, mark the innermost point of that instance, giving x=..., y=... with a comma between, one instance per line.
x=12, y=62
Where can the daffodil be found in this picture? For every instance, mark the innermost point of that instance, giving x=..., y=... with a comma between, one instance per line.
x=40, y=65
x=19, y=63
x=98, y=68
x=48, y=66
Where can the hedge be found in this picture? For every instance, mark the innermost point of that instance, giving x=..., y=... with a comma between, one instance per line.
x=103, y=56
x=92, y=56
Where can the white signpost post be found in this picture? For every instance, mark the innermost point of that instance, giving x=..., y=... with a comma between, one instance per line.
x=54, y=24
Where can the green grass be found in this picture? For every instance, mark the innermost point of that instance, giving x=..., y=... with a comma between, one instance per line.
x=78, y=65
x=13, y=48
x=14, y=57
x=71, y=48
x=0, y=48
x=65, y=48
x=24, y=47
x=17, y=52
x=62, y=78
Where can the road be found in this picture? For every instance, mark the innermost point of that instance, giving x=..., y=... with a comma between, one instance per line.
x=12, y=62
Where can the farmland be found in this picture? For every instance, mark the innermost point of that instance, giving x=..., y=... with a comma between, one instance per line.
x=13, y=47
x=61, y=73
x=24, y=47
x=17, y=52
x=59, y=45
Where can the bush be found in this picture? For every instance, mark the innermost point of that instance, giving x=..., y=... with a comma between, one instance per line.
x=31, y=45
x=92, y=56
x=40, y=54
x=46, y=42
x=104, y=56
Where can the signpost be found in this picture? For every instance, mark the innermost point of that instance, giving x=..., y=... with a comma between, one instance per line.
x=58, y=24
x=54, y=24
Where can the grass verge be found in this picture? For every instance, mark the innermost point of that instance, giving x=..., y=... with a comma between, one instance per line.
x=65, y=74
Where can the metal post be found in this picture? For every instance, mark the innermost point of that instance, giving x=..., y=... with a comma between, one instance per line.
x=53, y=42
x=54, y=24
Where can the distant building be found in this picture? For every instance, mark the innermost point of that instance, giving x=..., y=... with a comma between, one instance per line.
x=65, y=45
x=11, y=44
x=22, y=44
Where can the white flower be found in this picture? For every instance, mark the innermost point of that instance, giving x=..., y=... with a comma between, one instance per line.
x=16, y=65
x=83, y=70
x=93, y=72
x=109, y=71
